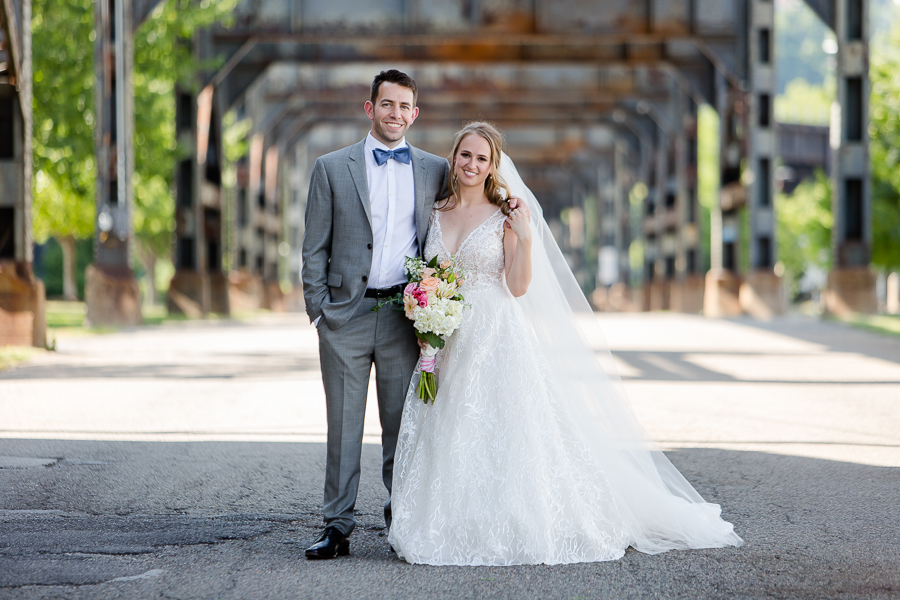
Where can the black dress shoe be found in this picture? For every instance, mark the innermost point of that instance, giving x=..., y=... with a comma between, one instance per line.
x=331, y=544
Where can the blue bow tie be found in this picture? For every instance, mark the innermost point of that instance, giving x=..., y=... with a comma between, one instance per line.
x=400, y=155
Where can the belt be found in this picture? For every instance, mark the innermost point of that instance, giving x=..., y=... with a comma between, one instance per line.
x=385, y=292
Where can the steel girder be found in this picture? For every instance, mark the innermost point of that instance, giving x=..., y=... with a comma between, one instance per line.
x=694, y=42
x=23, y=298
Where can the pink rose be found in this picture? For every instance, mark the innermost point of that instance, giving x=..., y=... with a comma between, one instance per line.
x=410, y=289
x=428, y=272
x=421, y=297
x=429, y=284
x=446, y=264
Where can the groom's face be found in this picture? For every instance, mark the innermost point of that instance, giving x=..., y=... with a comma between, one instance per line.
x=392, y=114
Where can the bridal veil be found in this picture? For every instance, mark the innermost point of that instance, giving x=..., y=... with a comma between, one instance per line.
x=662, y=509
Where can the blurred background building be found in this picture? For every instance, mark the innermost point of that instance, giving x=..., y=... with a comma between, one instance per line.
x=690, y=155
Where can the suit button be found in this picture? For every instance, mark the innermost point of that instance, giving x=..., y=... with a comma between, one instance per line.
x=365, y=278
x=369, y=246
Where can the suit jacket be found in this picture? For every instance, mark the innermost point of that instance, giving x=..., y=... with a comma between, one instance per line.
x=337, y=240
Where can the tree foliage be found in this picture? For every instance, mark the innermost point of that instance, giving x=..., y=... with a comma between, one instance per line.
x=64, y=165
x=804, y=226
x=64, y=119
x=162, y=61
x=805, y=103
x=884, y=129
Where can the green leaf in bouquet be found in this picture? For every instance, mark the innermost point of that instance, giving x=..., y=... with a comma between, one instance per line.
x=433, y=263
x=432, y=339
x=395, y=300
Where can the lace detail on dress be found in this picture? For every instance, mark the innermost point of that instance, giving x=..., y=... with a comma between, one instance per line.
x=497, y=471
x=480, y=255
x=493, y=473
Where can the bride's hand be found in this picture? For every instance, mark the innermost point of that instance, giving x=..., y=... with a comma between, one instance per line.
x=518, y=221
x=517, y=203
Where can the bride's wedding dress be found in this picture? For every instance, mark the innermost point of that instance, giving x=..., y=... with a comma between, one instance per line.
x=505, y=468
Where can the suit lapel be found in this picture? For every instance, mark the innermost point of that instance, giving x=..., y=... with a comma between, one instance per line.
x=423, y=206
x=357, y=166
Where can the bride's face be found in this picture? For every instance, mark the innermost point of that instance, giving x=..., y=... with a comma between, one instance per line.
x=473, y=161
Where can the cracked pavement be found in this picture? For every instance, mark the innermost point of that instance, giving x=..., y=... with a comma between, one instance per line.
x=187, y=462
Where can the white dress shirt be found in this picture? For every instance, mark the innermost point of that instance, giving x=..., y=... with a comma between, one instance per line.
x=392, y=201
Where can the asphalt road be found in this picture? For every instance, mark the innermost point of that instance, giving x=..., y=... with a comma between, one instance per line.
x=187, y=462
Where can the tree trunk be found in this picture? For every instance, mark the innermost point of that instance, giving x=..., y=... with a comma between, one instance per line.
x=70, y=288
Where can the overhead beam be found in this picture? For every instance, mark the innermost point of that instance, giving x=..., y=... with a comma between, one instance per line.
x=477, y=39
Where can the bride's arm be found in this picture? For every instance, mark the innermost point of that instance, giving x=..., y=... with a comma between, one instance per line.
x=517, y=252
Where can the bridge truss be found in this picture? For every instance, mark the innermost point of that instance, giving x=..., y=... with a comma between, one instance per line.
x=594, y=96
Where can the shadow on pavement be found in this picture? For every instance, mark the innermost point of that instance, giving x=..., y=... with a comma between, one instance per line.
x=222, y=366
x=230, y=520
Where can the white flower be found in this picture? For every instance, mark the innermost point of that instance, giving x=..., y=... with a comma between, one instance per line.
x=441, y=317
x=446, y=289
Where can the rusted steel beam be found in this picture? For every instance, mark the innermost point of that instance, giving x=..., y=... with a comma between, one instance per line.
x=441, y=97
x=368, y=38
x=12, y=45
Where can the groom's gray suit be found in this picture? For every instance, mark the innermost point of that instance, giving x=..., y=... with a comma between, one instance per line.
x=337, y=257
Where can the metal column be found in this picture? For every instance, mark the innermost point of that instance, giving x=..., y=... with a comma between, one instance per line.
x=199, y=285
x=111, y=290
x=687, y=289
x=762, y=291
x=720, y=294
x=22, y=296
x=851, y=284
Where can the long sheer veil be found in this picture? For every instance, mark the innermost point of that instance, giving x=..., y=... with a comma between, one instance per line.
x=667, y=512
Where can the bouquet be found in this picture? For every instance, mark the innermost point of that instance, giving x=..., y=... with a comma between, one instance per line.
x=433, y=302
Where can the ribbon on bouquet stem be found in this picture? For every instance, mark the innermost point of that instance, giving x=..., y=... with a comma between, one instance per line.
x=426, y=390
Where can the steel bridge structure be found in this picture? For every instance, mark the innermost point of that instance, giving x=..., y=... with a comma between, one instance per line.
x=598, y=101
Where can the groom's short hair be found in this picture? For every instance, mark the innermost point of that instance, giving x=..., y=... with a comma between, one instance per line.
x=394, y=76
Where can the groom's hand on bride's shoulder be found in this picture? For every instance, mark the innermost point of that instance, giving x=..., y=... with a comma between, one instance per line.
x=518, y=203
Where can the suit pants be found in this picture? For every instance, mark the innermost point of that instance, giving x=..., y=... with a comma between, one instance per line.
x=386, y=339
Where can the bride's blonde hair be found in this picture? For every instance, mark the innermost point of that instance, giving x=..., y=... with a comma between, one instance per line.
x=495, y=188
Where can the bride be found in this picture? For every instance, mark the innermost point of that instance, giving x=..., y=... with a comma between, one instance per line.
x=530, y=452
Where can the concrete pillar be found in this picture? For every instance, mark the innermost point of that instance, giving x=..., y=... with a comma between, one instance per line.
x=762, y=291
x=111, y=290
x=720, y=294
x=851, y=283
x=22, y=296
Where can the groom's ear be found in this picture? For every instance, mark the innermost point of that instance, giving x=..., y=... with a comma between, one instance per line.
x=370, y=110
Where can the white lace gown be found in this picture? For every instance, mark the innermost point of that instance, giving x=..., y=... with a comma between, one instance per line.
x=494, y=472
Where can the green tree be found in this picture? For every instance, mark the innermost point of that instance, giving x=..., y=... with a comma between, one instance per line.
x=804, y=229
x=64, y=167
x=806, y=103
x=884, y=129
x=162, y=62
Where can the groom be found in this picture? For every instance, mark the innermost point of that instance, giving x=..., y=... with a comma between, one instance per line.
x=368, y=209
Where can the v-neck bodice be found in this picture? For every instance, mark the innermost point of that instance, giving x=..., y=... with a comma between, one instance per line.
x=480, y=255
